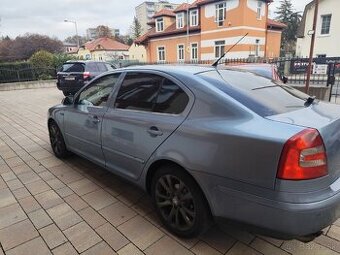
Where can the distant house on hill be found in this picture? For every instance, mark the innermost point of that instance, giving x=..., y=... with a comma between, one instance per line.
x=70, y=48
x=104, y=49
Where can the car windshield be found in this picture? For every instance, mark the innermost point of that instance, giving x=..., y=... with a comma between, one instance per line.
x=259, y=94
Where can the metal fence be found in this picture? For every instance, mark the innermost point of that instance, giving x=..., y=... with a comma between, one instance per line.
x=26, y=74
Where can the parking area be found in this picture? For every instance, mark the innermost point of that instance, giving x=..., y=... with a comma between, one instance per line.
x=66, y=207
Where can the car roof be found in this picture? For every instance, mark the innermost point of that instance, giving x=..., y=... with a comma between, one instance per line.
x=84, y=61
x=184, y=69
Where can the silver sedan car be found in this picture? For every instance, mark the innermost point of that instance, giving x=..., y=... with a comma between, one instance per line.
x=210, y=144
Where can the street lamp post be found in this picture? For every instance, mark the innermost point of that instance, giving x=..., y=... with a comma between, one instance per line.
x=75, y=24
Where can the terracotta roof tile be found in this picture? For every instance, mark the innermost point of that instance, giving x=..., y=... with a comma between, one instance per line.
x=105, y=44
x=182, y=7
x=276, y=24
x=164, y=12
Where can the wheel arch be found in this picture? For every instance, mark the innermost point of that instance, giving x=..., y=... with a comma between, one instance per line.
x=168, y=162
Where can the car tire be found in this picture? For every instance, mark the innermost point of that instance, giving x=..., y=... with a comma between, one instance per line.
x=66, y=93
x=57, y=141
x=179, y=202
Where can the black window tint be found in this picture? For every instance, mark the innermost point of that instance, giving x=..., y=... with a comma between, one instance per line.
x=73, y=68
x=99, y=91
x=138, y=91
x=92, y=67
x=102, y=67
x=171, y=99
x=261, y=95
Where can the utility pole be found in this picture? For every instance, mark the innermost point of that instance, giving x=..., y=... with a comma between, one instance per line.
x=311, y=53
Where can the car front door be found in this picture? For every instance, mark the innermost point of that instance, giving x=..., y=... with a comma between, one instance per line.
x=83, y=121
x=148, y=109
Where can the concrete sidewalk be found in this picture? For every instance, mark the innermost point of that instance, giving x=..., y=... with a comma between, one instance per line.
x=50, y=206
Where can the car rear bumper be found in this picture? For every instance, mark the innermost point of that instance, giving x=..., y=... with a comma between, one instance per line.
x=271, y=217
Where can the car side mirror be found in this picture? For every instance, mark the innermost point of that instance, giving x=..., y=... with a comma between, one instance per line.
x=284, y=79
x=68, y=100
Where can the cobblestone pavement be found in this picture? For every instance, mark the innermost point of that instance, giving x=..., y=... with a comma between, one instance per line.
x=50, y=206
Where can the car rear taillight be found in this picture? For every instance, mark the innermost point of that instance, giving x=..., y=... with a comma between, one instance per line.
x=86, y=75
x=303, y=157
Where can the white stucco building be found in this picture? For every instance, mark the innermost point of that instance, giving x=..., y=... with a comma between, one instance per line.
x=327, y=32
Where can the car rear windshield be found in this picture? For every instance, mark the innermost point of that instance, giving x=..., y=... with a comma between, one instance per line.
x=73, y=68
x=259, y=94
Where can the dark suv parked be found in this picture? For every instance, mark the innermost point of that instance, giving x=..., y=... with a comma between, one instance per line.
x=75, y=74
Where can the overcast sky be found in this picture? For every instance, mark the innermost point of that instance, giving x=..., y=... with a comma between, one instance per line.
x=47, y=16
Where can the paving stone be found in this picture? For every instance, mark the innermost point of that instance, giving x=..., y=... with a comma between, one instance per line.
x=141, y=232
x=64, y=192
x=83, y=186
x=274, y=241
x=28, y=177
x=4, y=169
x=64, y=216
x=334, y=232
x=37, y=187
x=65, y=249
x=40, y=218
x=298, y=248
x=21, y=193
x=13, y=162
x=202, y=248
x=41, y=154
x=112, y=236
x=55, y=183
x=328, y=242
x=33, y=247
x=117, y=213
x=218, y=240
x=266, y=248
x=6, y=198
x=52, y=236
x=241, y=249
x=130, y=249
x=17, y=234
x=10, y=215
x=92, y=218
x=76, y=202
x=21, y=169
x=8, y=176
x=82, y=236
x=29, y=204
x=99, y=199
x=167, y=246
x=100, y=249
x=15, y=184
x=48, y=199
x=46, y=176
x=50, y=162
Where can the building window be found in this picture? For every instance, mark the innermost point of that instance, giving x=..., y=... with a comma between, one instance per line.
x=259, y=9
x=194, y=18
x=161, y=54
x=194, y=51
x=159, y=25
x=257, y=47
x=220, y=13
x=219, y=48
x=180, y=20
x=180, y=53
x=326, y=24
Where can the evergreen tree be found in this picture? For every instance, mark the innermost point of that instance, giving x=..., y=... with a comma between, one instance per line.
x=286, y=15
x=136, y=28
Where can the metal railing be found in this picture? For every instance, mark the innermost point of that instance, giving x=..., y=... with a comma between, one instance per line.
x=26, y=74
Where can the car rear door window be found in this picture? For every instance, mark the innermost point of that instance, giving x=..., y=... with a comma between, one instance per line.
x=92, y=67
x=73, y=68
x=98, y=93
x=171, y=98
x=139, y=91
x=102, y=68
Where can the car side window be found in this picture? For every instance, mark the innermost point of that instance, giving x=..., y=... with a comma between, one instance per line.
x=92, y=67
x=99, y=91
x=102, y=67
x=171, y=98
x=139, y=91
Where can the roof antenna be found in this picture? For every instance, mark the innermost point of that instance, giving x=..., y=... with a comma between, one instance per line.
x=215, y=64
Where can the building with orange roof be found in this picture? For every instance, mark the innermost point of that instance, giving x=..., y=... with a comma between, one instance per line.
x=104, y=49
x=205, y=29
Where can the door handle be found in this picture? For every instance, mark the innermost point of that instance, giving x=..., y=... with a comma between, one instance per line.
x=94, y=118
x=154, y=131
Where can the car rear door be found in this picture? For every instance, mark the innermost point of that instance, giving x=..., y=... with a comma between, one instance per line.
x=83, y=121
x=149, y=107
